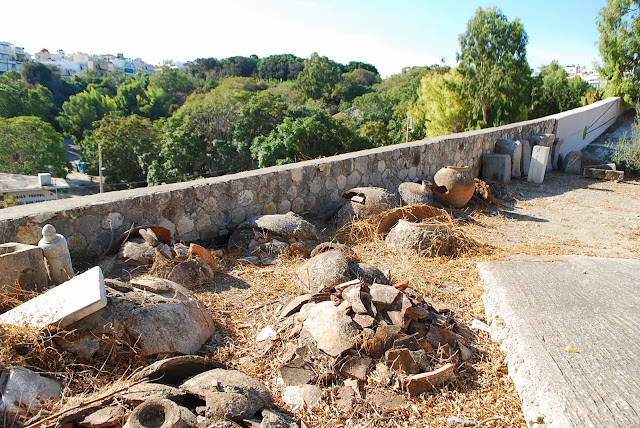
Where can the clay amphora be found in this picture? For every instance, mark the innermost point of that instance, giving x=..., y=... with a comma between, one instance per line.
x=459, y=185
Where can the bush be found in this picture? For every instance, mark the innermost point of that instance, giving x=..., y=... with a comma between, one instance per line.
x=627, y=151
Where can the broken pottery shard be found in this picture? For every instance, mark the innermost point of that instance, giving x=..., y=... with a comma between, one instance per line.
x=324, y=271
x=289, y=225
x=386, y=401
x=203, y=253
x=26, y=391
x=142, y=392
x=382, y=340
x=346, y=399
x=176, y=369
x=364, y=321
x=231, y=381
x=341, y=287
x=333, y=331
x=355, y=367
x=383, y=295
x=423, y=382
x=352, y=295
x=294, y=305
x=416, y=313
x=296, y=372
x=149, y=236
x=299, y=397
x=63, y=305
x=401, y=359
x=155, y=285
x=110, y=416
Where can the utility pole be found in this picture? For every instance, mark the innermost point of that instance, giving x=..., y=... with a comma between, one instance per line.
x=100, y=166
x=409, y=126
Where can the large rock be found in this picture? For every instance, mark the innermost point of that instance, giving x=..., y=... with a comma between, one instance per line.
x=231, y=382
x=175, y=370
x=513, y=148
x=289, y=225
x=324, y=271
x=333, y=331
x=190, y=273
x=364, y=202
x=424, y=238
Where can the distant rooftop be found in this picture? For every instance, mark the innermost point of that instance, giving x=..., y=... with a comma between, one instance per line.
x=21, y=183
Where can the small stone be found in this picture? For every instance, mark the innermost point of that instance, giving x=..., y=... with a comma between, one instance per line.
x=296, y=372
x=203, y=253
x=294, y=305
x=149, y=236
x=364, y=321
x=267, y=333
x=165, y=250
x=417, y=313
x=352, y=295
x=402, y=360
x=454, y=420
x=273, y=419
x=346, y=399
x=300, y=397
x=228, y=405
x=333, y=331
x=383, y=295
x=155, y=285
x=367, y=273
x=181, y=250
x=355, y=367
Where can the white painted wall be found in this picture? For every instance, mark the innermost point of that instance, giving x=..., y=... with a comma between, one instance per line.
x=581, y=126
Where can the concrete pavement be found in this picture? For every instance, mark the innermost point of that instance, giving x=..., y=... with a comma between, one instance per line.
x=542, y=309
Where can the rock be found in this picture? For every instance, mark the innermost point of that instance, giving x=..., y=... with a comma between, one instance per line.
x=142, y=392
x=27, y=267
x=355, y=367
x=158, y=413
x=346, y=399
x=456, y=421
x=181, y=250
x=190, y=273
x=364, y=321
x=155, y=285
x=364, y=202
x=289, y=225
x=424, y=238
x=104, y=418
x=231, y=381
x=352, y=295
x=333, y=331
x=572, y=163
x=367, y=273
x=402, y=360
x=149, y=236
x=118, y=285
x=63, y=305
x=326, y=246
x=416, y=193
x=273, y=419
x=383, y=295
x=513, y=148
x=204, y=254
x=294, y=305
x=167, y=328
x=423, y=382
x=175, y=370
x=189, y=419
x=219, y=423
x=228, y=405
x=324, y=271
x=267, y=333
x=386, y=401
x=296, y=372
x=300, y=397
x=25, y=391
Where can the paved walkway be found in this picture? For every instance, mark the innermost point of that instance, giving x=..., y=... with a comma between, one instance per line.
x=539, y=307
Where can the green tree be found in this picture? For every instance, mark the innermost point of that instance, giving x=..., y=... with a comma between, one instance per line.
x=29, y=145
x=172, y=81
x=553, y=92
x=280, y=67
x=355, y=83
x=441, y=107
x=16, y=99
x=319, y=78
x=240, y=66
x=82, y=110
x=129, y=146
x=494, y=68
x=137, y=97
x=355, y=65
x=619, y=25
x=198, y=137
x=35, y=73
x=311, y=136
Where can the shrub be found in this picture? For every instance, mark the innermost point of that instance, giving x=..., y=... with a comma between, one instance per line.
x=627, y=151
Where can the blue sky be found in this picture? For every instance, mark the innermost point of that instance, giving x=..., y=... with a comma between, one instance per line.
x=389, y=34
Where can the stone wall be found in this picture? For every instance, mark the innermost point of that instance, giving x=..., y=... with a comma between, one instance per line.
x=202, y=210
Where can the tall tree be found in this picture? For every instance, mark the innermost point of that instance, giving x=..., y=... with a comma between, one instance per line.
x=319, y=77
x=553, y=92
x=16, y=99
x=280, y=67
x=129, y=146
x=619, y=25
x=79, y=113
x=28, y=145
x=494, y=68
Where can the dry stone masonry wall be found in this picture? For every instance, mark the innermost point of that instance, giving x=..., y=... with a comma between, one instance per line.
x=202, y=210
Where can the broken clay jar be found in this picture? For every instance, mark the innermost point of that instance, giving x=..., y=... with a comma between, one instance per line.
x=459, y=184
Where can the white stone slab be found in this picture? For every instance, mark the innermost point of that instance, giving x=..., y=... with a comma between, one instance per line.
x=65, y=304
x=538, y=165
x=26, y=391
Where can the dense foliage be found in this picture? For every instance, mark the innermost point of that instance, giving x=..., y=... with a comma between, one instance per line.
x=218, y=116
x=627, y=150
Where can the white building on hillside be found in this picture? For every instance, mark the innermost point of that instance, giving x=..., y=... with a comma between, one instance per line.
x=28, y=189
x=103, y=65
x=12, y=57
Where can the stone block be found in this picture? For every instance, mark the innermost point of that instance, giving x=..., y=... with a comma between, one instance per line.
x=525, y=159
x=572, y=162
x=555, y=152
x=22, y=265
x=545, y=140
x=25, y=391
x=63, y=305
x=538, y=167
x=513, y=148
x=605, y=174
x=496, y=167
